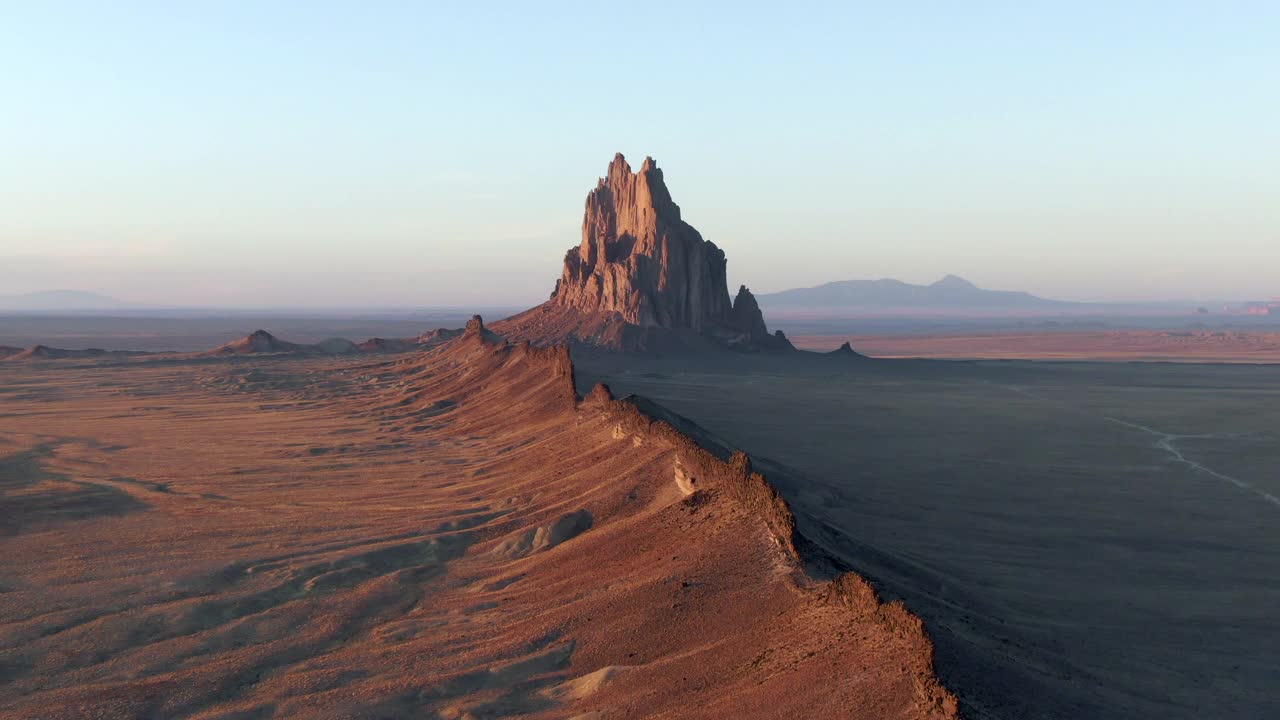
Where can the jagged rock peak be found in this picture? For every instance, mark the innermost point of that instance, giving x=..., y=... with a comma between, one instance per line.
x=475, y=329
x=639, y=259
x=846, y=350
x=600, y=393
x=747, y=317
x=642, y=278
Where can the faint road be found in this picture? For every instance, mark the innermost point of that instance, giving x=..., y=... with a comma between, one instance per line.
x=1166, y=442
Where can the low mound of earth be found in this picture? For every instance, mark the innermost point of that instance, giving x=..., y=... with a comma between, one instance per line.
x=261, y=342
x=44, y=352
x=385, y=345
x=452, y=534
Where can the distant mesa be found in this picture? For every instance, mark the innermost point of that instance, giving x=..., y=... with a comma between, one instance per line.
x=642, y=279
x=950, y=293
x=1263, y=307
x=44, y=352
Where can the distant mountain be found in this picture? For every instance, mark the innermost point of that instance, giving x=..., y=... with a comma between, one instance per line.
x=949, y=293
x=58, y=300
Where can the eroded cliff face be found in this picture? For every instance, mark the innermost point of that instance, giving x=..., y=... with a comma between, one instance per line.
x=642, y=277
x=640, y=259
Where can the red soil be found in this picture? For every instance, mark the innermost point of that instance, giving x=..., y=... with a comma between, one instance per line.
x=451, y=534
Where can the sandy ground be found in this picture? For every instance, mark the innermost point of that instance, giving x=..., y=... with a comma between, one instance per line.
x=1116, y=345
x=1083, y=540
x=443, y=535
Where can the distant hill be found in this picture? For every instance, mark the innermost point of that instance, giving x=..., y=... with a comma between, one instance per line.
x=949, y=293
x=58, y=300
x=258, y=342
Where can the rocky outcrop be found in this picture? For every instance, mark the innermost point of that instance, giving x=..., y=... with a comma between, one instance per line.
x=846, y=350
x=638, y=258
x=746, y=316
x=694, y=494
x=255, y=343
x=747, y=319
x=475, y=328
x=439, y=335
x=642, y=277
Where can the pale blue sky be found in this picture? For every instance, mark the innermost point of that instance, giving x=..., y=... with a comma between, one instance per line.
x=272, y=153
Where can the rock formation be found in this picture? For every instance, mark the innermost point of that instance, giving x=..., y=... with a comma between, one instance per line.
x=746, y=316
x=846, y=350
x=642, y=277
x=475, y=328
x=640, y=259
x=256, y=342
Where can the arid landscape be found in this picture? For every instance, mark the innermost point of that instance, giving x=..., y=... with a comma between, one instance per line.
x=365, y=363
x=639, y=493
x=439, y=525
x=1188, y=346
x=1081, y=539
x=449, y=534
x=634, y=500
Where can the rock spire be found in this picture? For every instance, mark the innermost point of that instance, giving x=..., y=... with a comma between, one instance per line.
x=642, y=276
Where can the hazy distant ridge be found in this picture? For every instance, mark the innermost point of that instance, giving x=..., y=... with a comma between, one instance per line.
x=50, y=300
x=951, y=292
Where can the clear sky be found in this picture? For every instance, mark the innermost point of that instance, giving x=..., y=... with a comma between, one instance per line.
x=432, y=153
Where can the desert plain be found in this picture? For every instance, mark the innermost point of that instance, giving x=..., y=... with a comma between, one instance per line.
x=1082, y=539
x=452, y=533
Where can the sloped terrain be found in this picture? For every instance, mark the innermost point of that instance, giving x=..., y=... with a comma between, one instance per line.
x=1083, y=540
x=449, y=534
